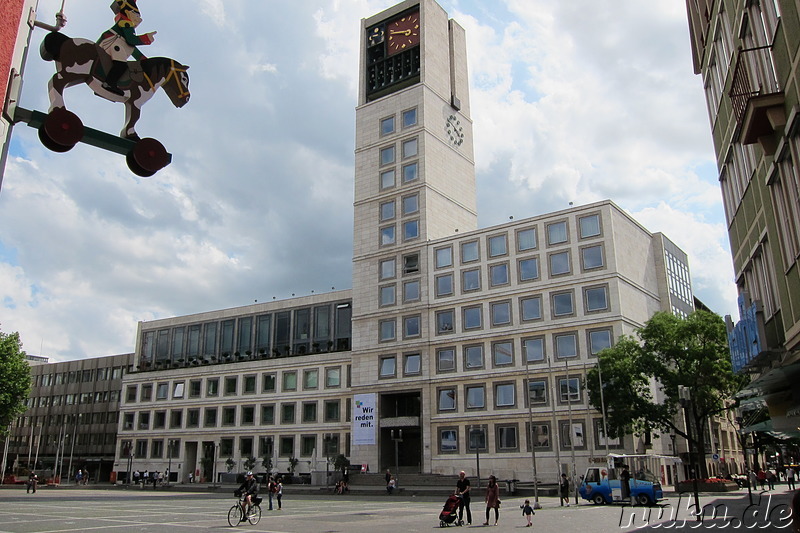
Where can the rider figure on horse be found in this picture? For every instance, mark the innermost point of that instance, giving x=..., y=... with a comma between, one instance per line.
x=120, y=41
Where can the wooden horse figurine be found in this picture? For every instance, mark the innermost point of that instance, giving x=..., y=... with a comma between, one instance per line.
x=83, y=61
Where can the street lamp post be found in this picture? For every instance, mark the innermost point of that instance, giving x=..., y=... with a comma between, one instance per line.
x=170, y=444
x=532, y=437
x=685, y=398
x=477, y=439
x=743, y=438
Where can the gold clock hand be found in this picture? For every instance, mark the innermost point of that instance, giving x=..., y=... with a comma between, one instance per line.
x=406, y=32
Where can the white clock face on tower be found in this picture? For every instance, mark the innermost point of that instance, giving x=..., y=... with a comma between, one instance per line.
x=455, y=131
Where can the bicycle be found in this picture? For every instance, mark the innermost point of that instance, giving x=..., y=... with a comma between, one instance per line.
x=235, y=514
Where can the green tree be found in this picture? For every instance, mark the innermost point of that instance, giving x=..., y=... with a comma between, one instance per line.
x=640, y=379
x=15, y=376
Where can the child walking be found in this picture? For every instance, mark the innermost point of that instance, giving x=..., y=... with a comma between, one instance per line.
x=528, y=512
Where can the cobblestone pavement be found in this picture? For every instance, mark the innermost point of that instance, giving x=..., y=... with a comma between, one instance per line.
x=121, y=511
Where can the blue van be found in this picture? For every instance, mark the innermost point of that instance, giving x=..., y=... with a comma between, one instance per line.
x=602, y=484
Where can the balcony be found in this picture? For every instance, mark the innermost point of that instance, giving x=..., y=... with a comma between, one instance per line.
x=757, y=98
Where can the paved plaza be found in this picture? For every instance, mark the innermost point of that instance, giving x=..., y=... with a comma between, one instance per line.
x=118, y=510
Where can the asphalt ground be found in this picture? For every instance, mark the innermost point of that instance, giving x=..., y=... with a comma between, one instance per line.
x=72, y=509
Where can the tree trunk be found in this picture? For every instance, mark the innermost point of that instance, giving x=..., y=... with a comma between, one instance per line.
x=700, y=423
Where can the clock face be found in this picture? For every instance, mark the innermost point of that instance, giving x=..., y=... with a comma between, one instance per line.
x=455, y=131
x=403, y=33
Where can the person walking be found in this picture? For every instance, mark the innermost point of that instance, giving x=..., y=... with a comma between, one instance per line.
x=528, y=512
x=272, y=488
x=624, y=484
x=462, y=490
x=563, y=490
x=771, y=479
x=762, y=477
x=790, y=474
x=31, y=484
x=492, y=499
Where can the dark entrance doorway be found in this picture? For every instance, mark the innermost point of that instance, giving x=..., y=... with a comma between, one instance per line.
x=400, y=433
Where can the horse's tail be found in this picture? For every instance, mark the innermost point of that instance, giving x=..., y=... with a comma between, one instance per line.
x=51, y=46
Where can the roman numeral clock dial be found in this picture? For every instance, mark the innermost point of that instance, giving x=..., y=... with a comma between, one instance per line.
x=403, y=33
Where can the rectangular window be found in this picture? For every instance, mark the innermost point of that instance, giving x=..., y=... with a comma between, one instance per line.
x=592, y=257
x=387, y=235
x=410, y=264
x=308, y=444
x=387, y=330
x=444, y=285
x=473, y=356
x=473, y=317
x=503, y=353
x=387, y=269
x=212, y=387
x=287, y=446
x=470, y=280
x=267, y=415
x=501, y=313
x=409, y=117
x=410, y=204
x=157, y=449
x=268, y=382
x=539, y=436
x=310, y=379
x=410, y=230
x=526, y=239
x=387, y=295
x=504, y=395
x=531, y=308
x=228, y=416
x=475, y=397
x=447, y=399
x=130, y=394
x=231, y=385
x=557, y=232
x=387, y=155
x=387, y=211
x=566, y=345
x=446, y=359
x=596, y=299
x=562, y=304
x=507, y=438
x=249, y=384
x=534, y=349
x=387, y=179
x=559, y=263
x=193, y=418
x=248, y=415
x=448, y=440
x=445, y=321
x=195, y=388
x=387, y=126
x=410, y=172
x=590, y=226
x=444, y=257
x=287, y=413
x=289, y=381
x=333, y=377
x=498, y=274
x=410, y=148
x=162, y=391
x=498, y=245
x=146, y=392
x=412, y=365
x=599, y=340
x=210, y=419
x=160, y=420
x=537, y=391
x=569, y=390
x=309, y=411
x=388, y=367
x=469, y=252
x=572, y=434
x=600, y=436
x=411, y=291
x=332, y=410
x=411, y=326
x=528, y=269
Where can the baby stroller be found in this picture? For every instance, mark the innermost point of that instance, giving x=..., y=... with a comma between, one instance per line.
x=449, y=514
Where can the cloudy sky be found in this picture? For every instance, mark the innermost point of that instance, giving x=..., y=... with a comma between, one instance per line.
x=573, y=101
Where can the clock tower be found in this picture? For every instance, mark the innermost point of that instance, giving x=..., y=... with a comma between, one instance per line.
x=414, y=183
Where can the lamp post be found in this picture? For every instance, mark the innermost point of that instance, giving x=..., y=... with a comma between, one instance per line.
x=397, y=440
x=532, y=437
x=743, y=438
x=170, y=444
x=477, y=439
x=685, y=399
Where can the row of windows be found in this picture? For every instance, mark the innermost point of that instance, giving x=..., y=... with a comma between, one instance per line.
x=83, y=398
x=231, y=385
x=69, y=420
x=77, y=376
x=564, y=346
x=171, y=448
x=507, y=437
x=299, y=331
x=504, y=394
x=680, y=285
x=238, y=415
x=561, y=303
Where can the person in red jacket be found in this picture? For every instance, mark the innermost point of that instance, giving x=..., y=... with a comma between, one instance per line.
x=120, y=41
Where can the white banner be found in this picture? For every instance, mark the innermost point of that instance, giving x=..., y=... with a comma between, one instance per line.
x=577, y=433
x=365, y=418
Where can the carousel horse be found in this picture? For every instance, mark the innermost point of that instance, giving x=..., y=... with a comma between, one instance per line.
x=83, y=61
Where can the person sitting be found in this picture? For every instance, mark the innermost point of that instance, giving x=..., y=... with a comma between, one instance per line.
x=248, y=490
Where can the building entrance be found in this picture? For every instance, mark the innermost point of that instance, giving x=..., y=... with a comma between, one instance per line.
x=400, y=433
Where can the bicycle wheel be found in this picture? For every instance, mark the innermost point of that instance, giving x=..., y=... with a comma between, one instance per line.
x=234, y=515
x=254, y=515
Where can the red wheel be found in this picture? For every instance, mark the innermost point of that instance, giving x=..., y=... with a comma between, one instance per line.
x=148, y=157
x=61, y=130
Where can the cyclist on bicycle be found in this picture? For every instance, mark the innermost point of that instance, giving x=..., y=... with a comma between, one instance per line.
x=247, y=490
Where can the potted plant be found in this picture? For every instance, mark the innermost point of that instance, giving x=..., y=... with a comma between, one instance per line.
x=230, y=464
